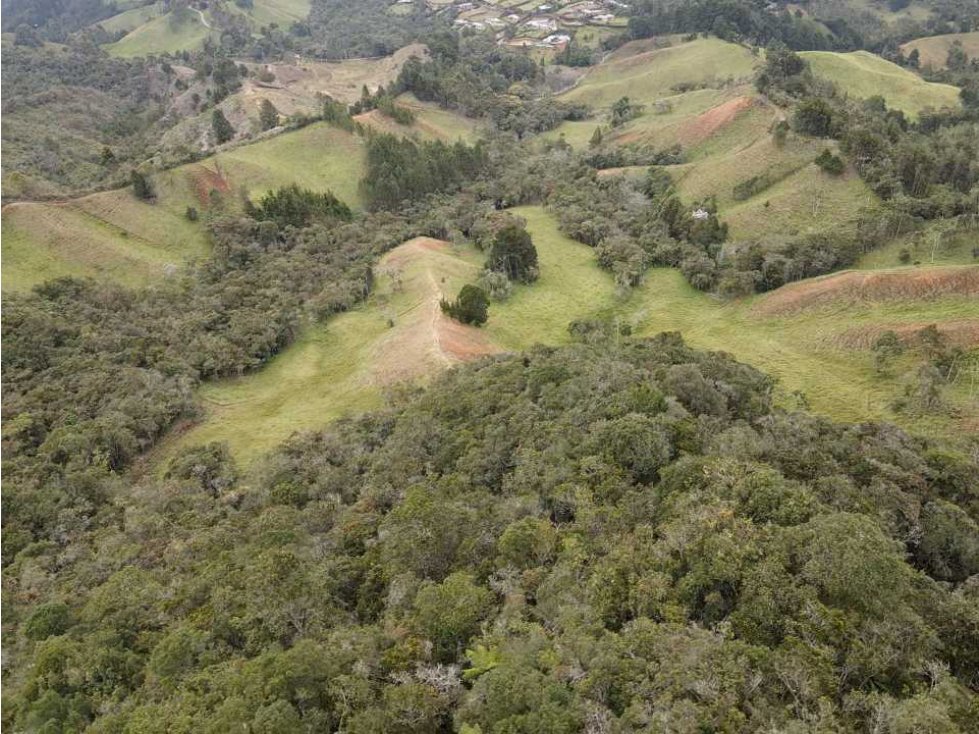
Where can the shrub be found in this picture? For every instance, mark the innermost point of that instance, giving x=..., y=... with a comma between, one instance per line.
x=142, y=186
x=296, y=207
x=514, y=254
x=471, y=307
x=830, y=163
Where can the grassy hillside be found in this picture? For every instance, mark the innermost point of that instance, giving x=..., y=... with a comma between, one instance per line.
x=150, y=29
x=318, y=157
x=807, y=201
x=431, y=122
x=812, y=336
x=933, y=50
x=645, y=73
x=129, y=20
x=343, y=366
x=168, y=33
x=114, y=235
x=863, y=74
x=104, y=236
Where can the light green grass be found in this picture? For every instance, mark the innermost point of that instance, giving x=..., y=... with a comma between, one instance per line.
x=645, y=76
x=318, y=156
x=439, y=124
x=800, y=350
x=720, y=173
x=806, y=202
x=164, y=34
x=283, y=12
x=933, y=50
x=102, y=236
x=129, y=20
x=332, y=369
x=924, y=248
x=113, y=235
x=863, y=74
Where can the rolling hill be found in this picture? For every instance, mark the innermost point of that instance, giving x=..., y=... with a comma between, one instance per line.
x=814, y=336
x=115, y=235
x=863, y=74
x=933, y=50
x=153, y=29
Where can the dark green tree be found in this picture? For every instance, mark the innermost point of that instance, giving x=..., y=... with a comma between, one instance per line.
x=222, y=129
x=471, y=307
x=514, y=254
x=830, y=162
x=268, y=116
x=142, y=186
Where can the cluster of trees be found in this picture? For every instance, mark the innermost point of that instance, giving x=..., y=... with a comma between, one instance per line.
x=928, y=170
x=95, y=373
x=343, y=29
x=400, y=170
x=384, y=102
x=635, y=224
x=293, y=206
x=103, y=103
x=612, y=536
x=479, y=78
x=737, y=20
x=931, y=362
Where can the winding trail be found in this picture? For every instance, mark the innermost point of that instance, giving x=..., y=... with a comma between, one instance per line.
x=203, y=19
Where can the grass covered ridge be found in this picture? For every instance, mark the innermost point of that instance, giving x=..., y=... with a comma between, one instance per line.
x=340, y=367
x=863, y=74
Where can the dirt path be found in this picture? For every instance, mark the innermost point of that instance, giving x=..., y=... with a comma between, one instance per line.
x=203, y=19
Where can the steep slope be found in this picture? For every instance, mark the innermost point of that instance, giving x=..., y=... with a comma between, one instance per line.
x=863, y=74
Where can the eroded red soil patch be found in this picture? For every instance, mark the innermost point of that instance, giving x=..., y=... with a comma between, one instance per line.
x=960, y=333
x=204, y=181
x=707, y=123
x=868, y=286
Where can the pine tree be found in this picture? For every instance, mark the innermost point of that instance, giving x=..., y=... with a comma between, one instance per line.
x=142, y=187
x=268, y=116
x=596, y=138
x=223, y=131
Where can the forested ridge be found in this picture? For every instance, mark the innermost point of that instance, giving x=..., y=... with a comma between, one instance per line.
x=605, y=537
x=619, y=535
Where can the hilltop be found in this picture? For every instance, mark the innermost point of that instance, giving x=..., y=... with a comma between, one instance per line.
x=863, y=74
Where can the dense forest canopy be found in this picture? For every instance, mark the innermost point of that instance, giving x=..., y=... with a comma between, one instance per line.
x=624, y=537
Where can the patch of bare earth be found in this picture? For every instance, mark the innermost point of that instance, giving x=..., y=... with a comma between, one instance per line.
x=423, y=340
x=299, y=85
x=708, y=123
x=204, y=181
x=855, y=286
x=958, y=332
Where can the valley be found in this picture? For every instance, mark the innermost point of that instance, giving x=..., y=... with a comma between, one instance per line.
x=492, y=367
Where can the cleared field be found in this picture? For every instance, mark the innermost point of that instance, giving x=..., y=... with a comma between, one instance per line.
x=645, y=73
x=344, y=365
x=129, y=20
x=933, y=50
x=168, y=33
x=926, y=247
x=318, y=156
x=283, y=12
x=113, y=235
x=431, y=122
x=808, y=201
x=100, y=236
x=818, y=348
x=863, y=74
x=298, y=87
x=151, y=29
